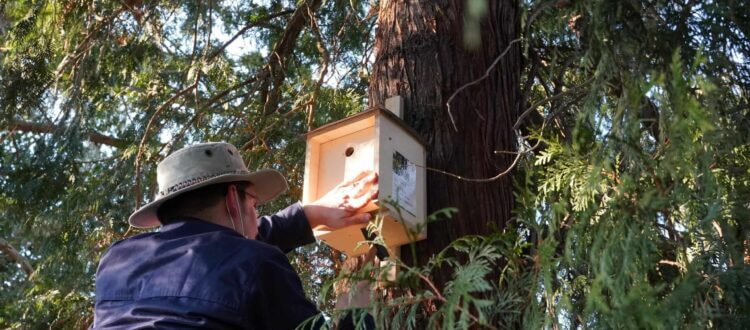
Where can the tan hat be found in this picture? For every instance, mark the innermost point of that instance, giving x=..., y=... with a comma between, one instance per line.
x=201, y=165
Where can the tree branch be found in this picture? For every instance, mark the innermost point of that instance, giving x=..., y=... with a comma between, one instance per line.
x=26, y=126
x=244, y=29
x=151, y=122
x=16, y=257
x=326, y=57
x=499, y=175
x=86, y=43
x=274, y=73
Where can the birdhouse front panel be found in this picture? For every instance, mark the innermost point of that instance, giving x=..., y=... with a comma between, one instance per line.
x=345, y=157
x=338, y=152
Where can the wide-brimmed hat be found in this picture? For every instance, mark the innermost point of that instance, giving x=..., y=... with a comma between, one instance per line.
x=201, y=165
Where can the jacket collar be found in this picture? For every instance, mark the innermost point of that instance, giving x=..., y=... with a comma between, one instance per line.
x=192, y=225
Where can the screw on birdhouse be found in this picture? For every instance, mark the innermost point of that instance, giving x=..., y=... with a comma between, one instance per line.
x=349, y=151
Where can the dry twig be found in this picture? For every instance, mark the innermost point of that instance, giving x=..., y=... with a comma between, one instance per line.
x=483, y=77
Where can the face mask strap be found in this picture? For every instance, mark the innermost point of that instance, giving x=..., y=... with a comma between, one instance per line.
x=242, y=219
x=230, y=217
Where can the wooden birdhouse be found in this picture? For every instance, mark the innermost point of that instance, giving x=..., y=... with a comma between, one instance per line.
x=376, y=140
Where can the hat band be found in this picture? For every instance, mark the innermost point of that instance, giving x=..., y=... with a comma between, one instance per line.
x=192, y=181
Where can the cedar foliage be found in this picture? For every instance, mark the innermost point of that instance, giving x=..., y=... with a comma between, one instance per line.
x=632, y=192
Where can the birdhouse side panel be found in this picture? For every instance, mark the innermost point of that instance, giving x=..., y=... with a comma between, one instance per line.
x=312, y=160
x=402, y=173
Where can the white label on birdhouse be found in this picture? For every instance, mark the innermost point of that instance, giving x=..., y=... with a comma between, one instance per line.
x=404, y=183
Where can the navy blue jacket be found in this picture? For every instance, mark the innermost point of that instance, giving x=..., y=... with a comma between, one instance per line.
x=195, y=274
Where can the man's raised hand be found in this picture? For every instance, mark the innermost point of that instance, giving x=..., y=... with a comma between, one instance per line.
x=338, y=207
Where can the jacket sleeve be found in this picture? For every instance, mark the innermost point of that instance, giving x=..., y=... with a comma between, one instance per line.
x=288, y=229
x=277, y=300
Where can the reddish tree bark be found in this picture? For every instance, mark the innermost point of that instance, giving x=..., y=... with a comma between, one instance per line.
x=420, y=56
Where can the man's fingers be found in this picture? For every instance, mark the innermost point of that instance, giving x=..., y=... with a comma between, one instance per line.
x=361, y=186
x=366, y=184
x=374, y=192
x=366, y=193
x=357, y=219
x=370, y=182
x=363, y=179
x=364, y=196
x=362, y=175
x=359, y=177
x=371, y=177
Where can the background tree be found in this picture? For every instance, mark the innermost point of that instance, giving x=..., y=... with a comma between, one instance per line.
x=457, y=65
x=422, y=54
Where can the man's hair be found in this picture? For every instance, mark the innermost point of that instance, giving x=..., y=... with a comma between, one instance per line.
x=193, y=202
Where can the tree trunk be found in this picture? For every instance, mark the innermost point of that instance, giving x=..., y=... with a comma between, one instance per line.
x=420, y=56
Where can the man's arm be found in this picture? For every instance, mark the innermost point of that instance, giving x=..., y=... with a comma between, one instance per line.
x=288, y=229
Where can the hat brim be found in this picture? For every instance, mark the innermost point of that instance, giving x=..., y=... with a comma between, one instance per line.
x=268, y=184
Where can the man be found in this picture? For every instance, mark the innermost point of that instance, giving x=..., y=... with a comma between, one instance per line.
x=214, y=264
